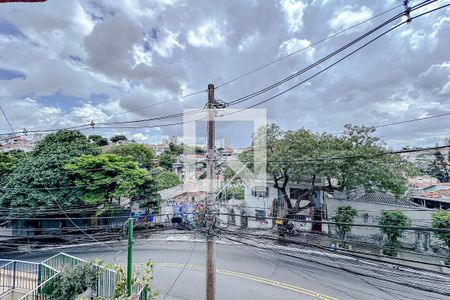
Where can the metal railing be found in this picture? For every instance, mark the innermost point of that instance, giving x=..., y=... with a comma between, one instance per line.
x=36, y=293
x=6, y=276
x=106, y=279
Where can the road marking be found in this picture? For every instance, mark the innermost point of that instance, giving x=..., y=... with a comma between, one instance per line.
x=253, y=278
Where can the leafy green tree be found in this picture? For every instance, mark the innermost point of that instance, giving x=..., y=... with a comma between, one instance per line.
x=441, y=220
x=98, y=140
x=345, y=216
x=147, y=195
x=44, y=169
x=394, y=221
x=167, y=159
x=166, y=180
x=176, y=149
x=234, y=192
x=144, y=156
x=107, y=178
x=439, y=167
x=117, y=138
x=303, y=156
x=199, y=150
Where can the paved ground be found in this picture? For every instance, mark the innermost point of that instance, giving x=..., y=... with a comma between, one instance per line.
x=249, y=273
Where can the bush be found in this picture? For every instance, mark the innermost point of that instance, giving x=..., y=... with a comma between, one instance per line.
x=392, y=220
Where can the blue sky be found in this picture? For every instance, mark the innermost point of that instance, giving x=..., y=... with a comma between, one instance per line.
x=69, y=62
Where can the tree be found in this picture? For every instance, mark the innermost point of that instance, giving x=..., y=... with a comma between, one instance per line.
x=440, y=167
x=304, y=156
x=166, y=180
x=167, y=159
x=392, y=223
x=176, y=149
x=107, y=178
x=140, y=153
x=234, y=192
x=9, y=162
x=40, y=178
x=98, y=140
x=441, y=220
x=344, y=217
x=117, y=138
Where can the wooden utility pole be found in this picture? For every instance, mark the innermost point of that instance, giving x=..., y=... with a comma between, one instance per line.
x=210, y=270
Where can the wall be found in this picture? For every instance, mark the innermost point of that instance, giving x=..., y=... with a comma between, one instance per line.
x=369, y=213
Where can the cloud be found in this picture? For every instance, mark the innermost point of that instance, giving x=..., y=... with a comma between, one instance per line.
x=294, y=10
x=208, y=34
x=348, y=17
x=292, y=45
x=137, y=53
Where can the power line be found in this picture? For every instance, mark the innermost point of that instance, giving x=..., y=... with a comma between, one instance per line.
x=245, y=98
x=7, y=120
x=305, y=48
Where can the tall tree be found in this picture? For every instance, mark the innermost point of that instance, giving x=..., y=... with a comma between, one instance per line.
x=439, y=167
x=44, y=169
x=352, y=160
x=9, y=162
x=107, y=178
x=144, y=156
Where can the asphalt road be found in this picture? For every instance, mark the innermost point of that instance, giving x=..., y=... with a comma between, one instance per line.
x=245, y=272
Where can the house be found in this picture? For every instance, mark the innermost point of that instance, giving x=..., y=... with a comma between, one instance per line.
x=370, y=206
x=262, y=205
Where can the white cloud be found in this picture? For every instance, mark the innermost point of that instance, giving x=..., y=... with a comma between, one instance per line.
x=166, y=45
x=293, y=45
x=141, y=56
x=294, y=10
x=349, y=17
x=206, y=35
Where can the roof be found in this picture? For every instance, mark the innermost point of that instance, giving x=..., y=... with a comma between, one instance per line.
x=172, y=192
x=385, y=199
x=444, y=193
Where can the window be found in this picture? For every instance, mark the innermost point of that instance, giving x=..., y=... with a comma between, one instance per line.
x=366, y=217
x=259, y=191
x=260, y=214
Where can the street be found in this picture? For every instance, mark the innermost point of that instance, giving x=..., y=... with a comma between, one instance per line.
x=248, y=273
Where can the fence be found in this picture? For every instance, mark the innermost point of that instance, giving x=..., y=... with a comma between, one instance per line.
x=106, y=280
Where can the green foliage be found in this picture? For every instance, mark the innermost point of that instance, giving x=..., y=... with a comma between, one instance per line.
x=71, y=282
x=395, y=219
x=176, y=149
x=166, y=180
x=439, y=167
x=146, y=280
x=234, y=192
x=107, y=177
x=9, y=162
x=441, y=220
x=98, y=140
x=167, y=159
x=345, y=217
x=44, y=168
x=142, y=155
x=117, y=138
x=311, y=152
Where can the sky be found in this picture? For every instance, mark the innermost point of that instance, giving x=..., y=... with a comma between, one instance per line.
x=65, y=63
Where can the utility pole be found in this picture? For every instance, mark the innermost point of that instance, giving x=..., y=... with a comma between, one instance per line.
x=210, y=270
x=130, y=257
